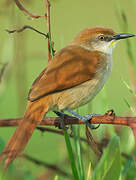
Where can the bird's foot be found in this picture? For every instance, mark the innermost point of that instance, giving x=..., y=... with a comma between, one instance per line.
x=88, y=118
x=85, y=118
x=62, y=116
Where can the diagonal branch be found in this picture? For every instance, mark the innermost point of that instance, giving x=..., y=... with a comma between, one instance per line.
x=93, y=144
x=20, y=6
x=47, y=165
x=24, y=28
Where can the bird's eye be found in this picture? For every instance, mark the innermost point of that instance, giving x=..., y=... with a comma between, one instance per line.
x=101, y=37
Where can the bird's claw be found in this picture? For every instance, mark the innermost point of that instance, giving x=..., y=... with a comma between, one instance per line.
x=62, y=115
x=87, y=118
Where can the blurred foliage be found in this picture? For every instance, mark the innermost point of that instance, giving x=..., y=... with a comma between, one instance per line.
x=109, y=166
x=27, y=55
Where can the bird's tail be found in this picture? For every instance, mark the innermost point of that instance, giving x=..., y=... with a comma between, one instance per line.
x=34, y=114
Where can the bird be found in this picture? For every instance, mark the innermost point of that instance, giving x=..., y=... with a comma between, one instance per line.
x=72, y=78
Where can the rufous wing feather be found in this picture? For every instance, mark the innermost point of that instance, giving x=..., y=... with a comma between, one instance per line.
x=71, y=66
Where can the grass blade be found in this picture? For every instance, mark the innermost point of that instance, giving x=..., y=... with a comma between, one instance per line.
x=76, y=130
x=130, y=107
x=71, y=155
x=129, y=88
x=89, y=171
x=124, y=25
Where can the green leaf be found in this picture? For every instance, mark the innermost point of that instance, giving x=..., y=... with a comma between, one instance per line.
x=71, y=155
x=129, y=165
x=76, y=133
x=109, y=166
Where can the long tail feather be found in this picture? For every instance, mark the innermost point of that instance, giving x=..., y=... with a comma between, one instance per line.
x=34, y=114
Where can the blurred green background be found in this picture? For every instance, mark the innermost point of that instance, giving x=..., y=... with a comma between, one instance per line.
x=26, y=54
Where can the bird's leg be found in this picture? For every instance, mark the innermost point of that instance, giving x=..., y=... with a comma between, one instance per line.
x=84, y=118
x=62, y=115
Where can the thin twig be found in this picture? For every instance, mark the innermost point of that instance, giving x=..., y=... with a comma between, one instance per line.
x=26, y=27
x=50, y=53
x=47, y=165
x=60, y=132
x=20, y=6
x=92, y=143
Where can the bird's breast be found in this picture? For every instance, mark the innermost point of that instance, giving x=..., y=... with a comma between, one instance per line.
x=85, y=92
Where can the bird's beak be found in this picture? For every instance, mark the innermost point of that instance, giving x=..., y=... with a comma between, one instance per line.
x=122, y=36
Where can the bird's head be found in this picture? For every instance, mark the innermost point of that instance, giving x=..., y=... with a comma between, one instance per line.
x=99, y=38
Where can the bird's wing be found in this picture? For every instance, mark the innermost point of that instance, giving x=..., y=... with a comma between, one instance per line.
x=71, y=66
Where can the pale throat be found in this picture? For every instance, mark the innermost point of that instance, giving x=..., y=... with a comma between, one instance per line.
x=106, y=47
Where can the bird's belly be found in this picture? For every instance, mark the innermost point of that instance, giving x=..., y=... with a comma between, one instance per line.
x=81, y=94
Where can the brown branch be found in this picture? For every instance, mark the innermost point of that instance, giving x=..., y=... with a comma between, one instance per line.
x=108, y=118
x=20, y=6
x=47, y=3
x=54, y=121
x=47, y=165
